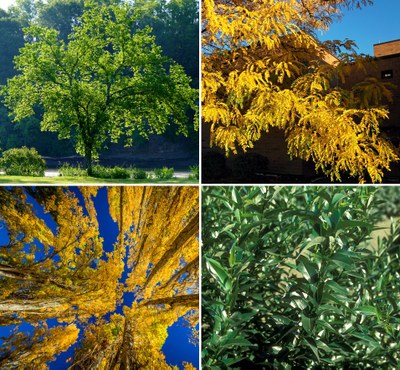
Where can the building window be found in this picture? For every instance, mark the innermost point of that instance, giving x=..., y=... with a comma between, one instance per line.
x=387, y=74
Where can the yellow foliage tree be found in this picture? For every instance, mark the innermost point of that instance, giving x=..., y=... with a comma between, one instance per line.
x=53, y=265
x=35, y=350
x=57, y=272
x=263, y=67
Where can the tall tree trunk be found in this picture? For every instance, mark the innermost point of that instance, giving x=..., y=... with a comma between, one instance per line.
x=7, y=305
x=191, y=268
x=190, y=229
x=188, y=300
x=88, y=161
x=27, y=275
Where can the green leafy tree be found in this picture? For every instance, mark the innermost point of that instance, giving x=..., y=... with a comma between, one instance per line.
x=106, y=82
x=175, y=24
x=12, y=38
x=60, y=15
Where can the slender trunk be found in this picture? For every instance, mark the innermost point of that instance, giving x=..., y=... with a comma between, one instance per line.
x=27, y=275
x=88, y=161
x=191, y=268
x=190, y=229
x=28, y=305
x=123, y=355
x=188, y=300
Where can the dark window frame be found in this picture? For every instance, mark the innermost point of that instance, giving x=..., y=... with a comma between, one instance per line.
x=387, y=74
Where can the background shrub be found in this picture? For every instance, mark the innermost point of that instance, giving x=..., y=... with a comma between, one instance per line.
x=164, y=173
x=103, y=172
x=138, y=174
x=292, y=278
x=194, y=172
x=119, y=173
x=23, y=162
x=67, y=169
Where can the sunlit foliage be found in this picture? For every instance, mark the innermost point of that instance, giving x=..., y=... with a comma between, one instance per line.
x=54, y=265
x=263, y=67
x=107, y=82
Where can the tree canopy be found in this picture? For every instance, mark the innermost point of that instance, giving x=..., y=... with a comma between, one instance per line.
x=174, y=34
x=264, y=67
x=109, y=80
x=55, y=264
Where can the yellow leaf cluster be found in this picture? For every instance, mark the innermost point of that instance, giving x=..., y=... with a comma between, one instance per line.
x=74, y=279
x=262, y=68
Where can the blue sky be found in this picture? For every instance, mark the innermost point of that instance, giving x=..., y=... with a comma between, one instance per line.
x=176, y=348
x=371, y=25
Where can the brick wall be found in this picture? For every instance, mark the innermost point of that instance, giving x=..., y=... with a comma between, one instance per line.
x=387, y=48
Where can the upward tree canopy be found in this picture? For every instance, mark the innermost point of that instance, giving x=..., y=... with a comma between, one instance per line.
x=107, y=81
x=263, y=67
x=55, y=265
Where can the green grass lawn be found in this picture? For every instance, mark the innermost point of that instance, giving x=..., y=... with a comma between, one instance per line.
x=70, y=180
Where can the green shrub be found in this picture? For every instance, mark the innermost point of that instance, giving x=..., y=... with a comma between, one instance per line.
x=67, y=169
x=164, y=173
x=22, y=162
x=293, y=277
x=138, y=174
x=103, y=172
x=120, y=173
x=194, y=172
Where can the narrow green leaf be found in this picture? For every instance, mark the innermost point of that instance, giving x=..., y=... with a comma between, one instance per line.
x=337, y=288
x=307, y=322
x=232, y=361
x=343, y=261
x=346, y=224
x=307, y=268
x=237, y=214
x=219, y=273
x=232, y=255
x=368, y=310
x=313, y=346
x=238, y=342
x=366, y=338
x=337, y=198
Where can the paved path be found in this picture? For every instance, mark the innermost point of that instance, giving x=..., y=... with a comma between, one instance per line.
x=51, y=173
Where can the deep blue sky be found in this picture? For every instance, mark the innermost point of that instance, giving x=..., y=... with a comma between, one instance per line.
x=176, y=348
x=372, y=24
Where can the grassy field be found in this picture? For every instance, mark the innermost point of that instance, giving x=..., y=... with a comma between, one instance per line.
x=71, y=180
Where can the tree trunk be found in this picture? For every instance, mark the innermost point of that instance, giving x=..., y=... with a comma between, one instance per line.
x=28, y=305
x=189, y=300
x=88, y=161
x=190, y=229
x=27, y=275
x=191, y=268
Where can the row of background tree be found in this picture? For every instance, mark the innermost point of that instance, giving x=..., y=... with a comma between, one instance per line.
x=174, y=23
